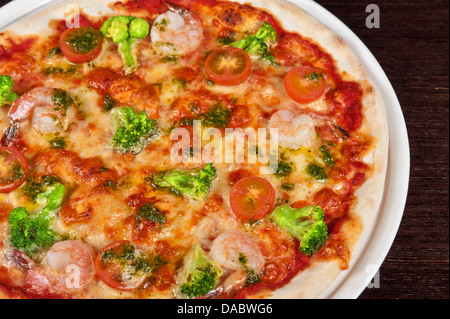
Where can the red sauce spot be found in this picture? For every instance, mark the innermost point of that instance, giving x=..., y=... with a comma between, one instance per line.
x=186, y=74
x=138, y=200
x=299, y=263
x=151, y=6
x=239, y=117
x=213, y=203
x=13, y=293
x=358, y=179
x=83, y=21
x=332, y=204
x=101, y=79
x=236, y=175
x=348, y=101
x=14, y=47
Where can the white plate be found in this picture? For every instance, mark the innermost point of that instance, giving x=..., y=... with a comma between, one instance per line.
x=365, y=264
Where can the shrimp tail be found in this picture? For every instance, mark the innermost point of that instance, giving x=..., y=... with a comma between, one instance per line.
x=19, y=259
x=176, y=8
x=10, y=135
x=340, y=131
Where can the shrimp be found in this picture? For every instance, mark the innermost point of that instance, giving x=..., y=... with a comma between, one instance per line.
x=52, y=111
x=176, y=32
x=229, y=249
x=72, y=262
x=205, y=232
x=67, y=267
x=294, y=131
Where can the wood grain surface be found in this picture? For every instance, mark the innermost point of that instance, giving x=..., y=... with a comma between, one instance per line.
x=412, y=46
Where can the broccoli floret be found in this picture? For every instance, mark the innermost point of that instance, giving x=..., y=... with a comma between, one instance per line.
x=199, y=274
x=258, y=44
x=306, y=224
x=126, y=31
x=133, y=132
x=52, y=197
x=29, y=233
x=266, y=32
x=193, y=183
x=32, y=233
x=7, y=96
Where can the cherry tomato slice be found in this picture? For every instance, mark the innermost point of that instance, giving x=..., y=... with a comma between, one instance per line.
x=228, y=66
x=304, y=84
x=81, y=44
x=114, y=265
x=13, y=169
x=252, y=198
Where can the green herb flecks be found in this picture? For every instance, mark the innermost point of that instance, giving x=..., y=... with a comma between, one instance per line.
x=34, y=186
x=317, y=172
x=284, y=168
x=84, y=42
x=169, y=58
x=252, y=276
x=314, y=76
x=326, y=156
x=58, y=142
x=61, y=99
x=108, y=103
x=287, y=186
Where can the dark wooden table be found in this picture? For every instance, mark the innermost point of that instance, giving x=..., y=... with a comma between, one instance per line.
x=412, y=46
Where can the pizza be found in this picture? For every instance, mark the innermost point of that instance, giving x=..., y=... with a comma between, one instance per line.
x=183, y=149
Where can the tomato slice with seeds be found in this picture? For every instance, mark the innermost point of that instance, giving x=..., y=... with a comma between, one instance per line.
x=13, y=169
x=228, y=66
x=252, y=198
x=305, y=84
x=116, y=265
x=80, y=45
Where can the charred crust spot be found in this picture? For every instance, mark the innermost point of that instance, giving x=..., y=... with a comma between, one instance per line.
x=231, y=17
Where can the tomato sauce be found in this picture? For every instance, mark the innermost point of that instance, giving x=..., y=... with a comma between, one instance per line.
x=15, y=47
x=152, y=6
x=81, y=19
x=299, y=263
